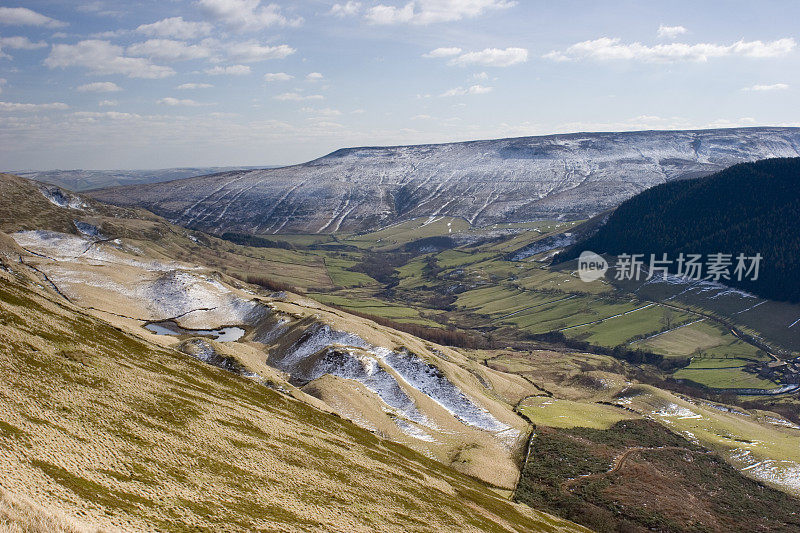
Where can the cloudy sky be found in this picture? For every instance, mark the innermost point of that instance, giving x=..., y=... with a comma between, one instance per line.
x=149, y=84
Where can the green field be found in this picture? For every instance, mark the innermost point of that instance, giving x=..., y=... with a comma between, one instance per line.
x=460, y=258
x=376, y=307
x=622, y=329
x=703, y=339
x=400, y=234
x=724, y=378
x=342, y=277
x=560, y=413
x=569, y=313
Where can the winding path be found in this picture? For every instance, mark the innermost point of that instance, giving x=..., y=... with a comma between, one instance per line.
x=618, y=463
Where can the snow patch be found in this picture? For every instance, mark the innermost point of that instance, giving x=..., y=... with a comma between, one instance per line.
x=322, y=350
x=676, y=411
x=186, y=297
x=431, y=381
x=413, y=431
x=783, y=473
x=781, y=422
x=61, y=198
x=274, y=333
x=546, y=244
x=63, y=247
x=167, y=290
x=88, y=229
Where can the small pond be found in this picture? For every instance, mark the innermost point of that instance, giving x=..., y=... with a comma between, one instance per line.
x=226, y=334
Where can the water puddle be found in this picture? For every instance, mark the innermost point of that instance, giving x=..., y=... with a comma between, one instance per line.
x=230, y=334
x=226, y=334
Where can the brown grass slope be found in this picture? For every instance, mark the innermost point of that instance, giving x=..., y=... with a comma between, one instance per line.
x=122, y=434
x=21, y=515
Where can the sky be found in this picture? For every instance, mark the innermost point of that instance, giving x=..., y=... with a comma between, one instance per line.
x=113, y=84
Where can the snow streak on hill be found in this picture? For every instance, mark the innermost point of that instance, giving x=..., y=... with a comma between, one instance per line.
x=507, y=180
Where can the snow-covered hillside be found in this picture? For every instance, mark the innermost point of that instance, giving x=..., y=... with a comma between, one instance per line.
x=507, y=180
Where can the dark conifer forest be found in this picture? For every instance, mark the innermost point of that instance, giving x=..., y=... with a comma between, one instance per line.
x=746, y=209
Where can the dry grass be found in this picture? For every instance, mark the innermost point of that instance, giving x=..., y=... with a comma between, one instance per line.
x=21, y=515
x=127, y=435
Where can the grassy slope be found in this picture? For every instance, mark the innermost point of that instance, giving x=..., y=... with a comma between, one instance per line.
x=663, y=483
x=670, y=490
x=544, y=285
x=139, y=437
x=562, y=413
x=19, y=514
x=591, y=390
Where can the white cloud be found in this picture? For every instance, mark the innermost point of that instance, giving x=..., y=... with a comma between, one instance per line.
x=99, y=8
x=109, y=34
x=607, y=48
x=480, y=76
x=186, y=86
x=21, y=16
x=382, y=14
x=176, y=27
x=239, y=52
x=107, y=103
x=102, y=57
x=642, y=122
x=655, y=122
x=232, y=70
x=492, y=57
x=100, y=87
x=297, y=97
x=325, y=112
x=314, y=76
x=93, y=116
x=21, y=43
x=252, y=52
x=461, y=91
x=178, y=102
x=277, y=76
x=246, y=15
x=328, y=125
x=18, y=43
x=742, y=122
x=169, y=50
x=14, y=106
x=763, y=88
x=671, y=32
x=432, y=11
x=346, y=10
x=443, y=52
x=421, y=117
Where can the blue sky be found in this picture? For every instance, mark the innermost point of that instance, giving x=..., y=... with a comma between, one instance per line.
x=149, y=84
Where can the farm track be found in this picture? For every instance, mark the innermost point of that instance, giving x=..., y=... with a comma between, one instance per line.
x=618, y=462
